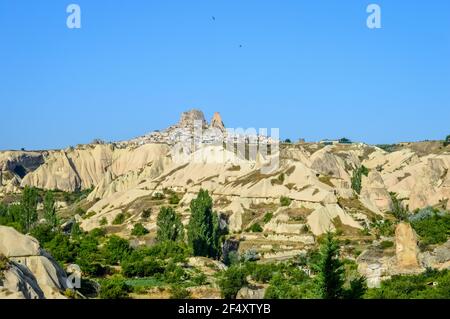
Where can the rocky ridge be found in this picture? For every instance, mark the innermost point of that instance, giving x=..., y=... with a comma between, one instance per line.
x=315, y=179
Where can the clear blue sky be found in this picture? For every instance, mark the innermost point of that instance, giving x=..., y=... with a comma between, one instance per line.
x=311, y=68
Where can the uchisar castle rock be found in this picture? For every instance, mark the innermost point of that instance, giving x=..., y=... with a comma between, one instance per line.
x=312, y=191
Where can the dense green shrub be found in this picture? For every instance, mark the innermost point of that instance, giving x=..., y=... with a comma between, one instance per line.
x=147, y=267
x=114, y=288
x=179, y=292
x=285, y=201
x=250, y=255
x=174, y=199
x=158, y=196
x=386, y=244
x=284, y=288
x=80, y=211
x=398, y=209
x=232, y=280
x=255, y=228
x=267, y=217
x=169, y=225
x=357, y=178
x=76, y=232
x=119, y=219
x=62, y=249
x=44, y=233
x=139, y=230
x=432, y=228
x=146, y=213
x=88, y=256
x=430, y=285
x=103, y=221
x=177, y=251
x=116, y=249
x=151, y=261
x=383, y=227
x=263, y=273
x=232, y=258
x=98, y=232
x=173, y=274
x=199, y=279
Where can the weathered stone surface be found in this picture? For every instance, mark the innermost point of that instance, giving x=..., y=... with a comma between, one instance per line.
x=251, y=293
x=32, y=273
x=406, y=246
x=189, y=118
x=14, y=244
x=374, y=191
x=374, y=266
x=439, y=258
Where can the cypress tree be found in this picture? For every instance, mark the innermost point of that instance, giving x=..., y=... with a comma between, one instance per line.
x=330, y=270
x=50, y=210
x=29, y=208
x=203, y=229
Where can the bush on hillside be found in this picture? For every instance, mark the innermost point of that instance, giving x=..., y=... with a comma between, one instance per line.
x=139, y=230
x=114, y=288
x=285, y=201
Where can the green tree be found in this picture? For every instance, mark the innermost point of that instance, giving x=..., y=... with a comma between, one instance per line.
x=345, y=140
x=330, y=270
x=357, y=178
x=447, y=140
x=28, y=206
x=114, y=288
x=232, y=280
x=203, y=229
x=116, y=249
x=169, y=225
x=50, y=209
x=179, y=292
x=398, y=209
x=174, y=199
x=358, y=288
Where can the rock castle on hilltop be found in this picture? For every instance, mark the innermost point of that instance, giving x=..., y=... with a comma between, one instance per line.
x=193, y=123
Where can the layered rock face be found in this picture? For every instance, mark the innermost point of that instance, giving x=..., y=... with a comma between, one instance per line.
x=31, y=273
x=86, y=167
x=14, y=165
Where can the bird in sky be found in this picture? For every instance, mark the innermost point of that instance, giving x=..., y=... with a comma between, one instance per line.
x=214, y=18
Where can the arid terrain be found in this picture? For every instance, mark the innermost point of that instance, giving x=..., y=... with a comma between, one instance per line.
x=372, y=198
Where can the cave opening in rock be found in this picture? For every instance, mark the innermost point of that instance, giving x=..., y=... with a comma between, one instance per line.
x=20, y=171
